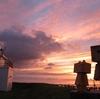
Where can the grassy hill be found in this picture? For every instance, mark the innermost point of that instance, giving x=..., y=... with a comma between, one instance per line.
x=36, y=91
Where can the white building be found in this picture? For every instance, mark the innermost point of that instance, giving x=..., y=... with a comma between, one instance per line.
x=6, y=72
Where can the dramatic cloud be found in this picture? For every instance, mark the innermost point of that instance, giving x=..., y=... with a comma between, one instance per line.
x=75, y=24
x=51, y=64
x=41, y=73
x=48, y=67
x=22, y=47
x=40, y=76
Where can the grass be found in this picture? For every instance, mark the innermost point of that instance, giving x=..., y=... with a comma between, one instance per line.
x=36, y=91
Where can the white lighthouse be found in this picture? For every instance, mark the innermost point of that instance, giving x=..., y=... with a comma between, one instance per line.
x=6, y=72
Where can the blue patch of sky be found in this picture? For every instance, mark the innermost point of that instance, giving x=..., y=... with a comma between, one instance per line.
x=82, y=11
x=90, y=7
x=27, y=3
x=40, y=1
x=37, y=15
x=90, y=42
x=3, y=1
x=32, y=3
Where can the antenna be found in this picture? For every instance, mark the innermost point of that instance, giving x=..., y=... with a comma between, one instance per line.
x=0, y=46
x=2, y=49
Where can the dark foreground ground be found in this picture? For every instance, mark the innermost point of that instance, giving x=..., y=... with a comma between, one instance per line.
x=36, y=91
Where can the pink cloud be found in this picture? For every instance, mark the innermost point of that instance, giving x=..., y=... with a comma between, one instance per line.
x=75, y=24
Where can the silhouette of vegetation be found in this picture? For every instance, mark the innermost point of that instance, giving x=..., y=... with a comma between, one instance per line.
x=37, y=91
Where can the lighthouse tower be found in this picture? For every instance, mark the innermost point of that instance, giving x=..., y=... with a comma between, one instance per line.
x=6, y=72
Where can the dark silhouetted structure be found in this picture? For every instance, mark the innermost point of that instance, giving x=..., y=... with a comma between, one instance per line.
x=6, y=72
x=82, y=68
x=95, y=53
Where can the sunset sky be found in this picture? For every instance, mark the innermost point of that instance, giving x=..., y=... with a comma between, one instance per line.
x=44, y=38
